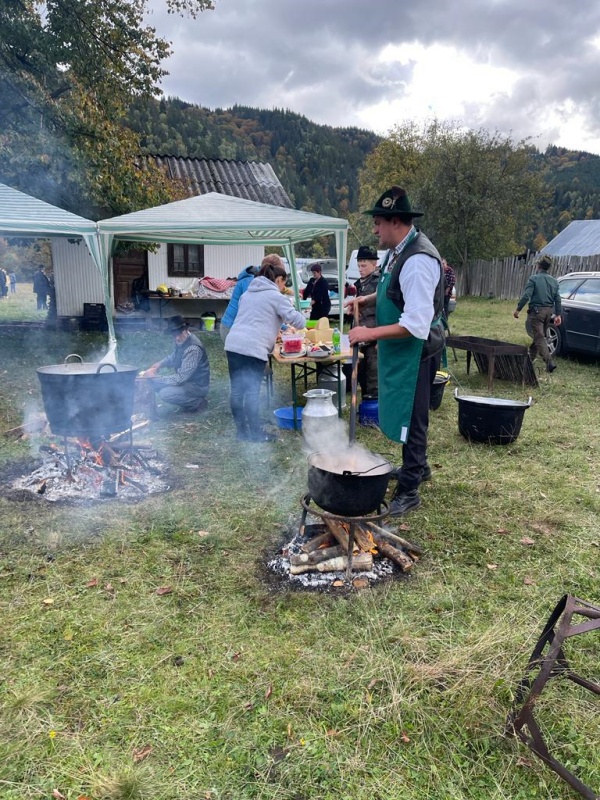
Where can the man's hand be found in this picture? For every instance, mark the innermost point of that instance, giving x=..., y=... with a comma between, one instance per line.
x=360, y=334
x=557, y=320
x=516, y=314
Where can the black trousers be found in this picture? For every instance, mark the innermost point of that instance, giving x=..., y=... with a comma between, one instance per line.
x=414, y=452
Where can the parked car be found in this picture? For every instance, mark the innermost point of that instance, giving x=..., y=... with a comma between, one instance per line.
x=329, y=269
x=579, y=330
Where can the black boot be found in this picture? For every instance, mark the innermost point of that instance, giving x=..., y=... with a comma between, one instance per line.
x=404, y=501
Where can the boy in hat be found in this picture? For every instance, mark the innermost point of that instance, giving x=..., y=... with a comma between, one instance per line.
x=367, y=284
x=188, y=386
x=541, y=292
x=409, y=305
x=317, y=289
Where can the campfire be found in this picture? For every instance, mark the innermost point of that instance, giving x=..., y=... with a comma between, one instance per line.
x=83, y=470
x=339, y=551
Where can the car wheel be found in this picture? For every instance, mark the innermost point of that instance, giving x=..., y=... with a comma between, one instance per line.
x=554, y=338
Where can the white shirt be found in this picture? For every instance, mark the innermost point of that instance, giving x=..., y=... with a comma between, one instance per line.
x=419, y=278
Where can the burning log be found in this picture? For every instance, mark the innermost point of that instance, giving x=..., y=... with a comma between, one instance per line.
x=316, y=542
x=315, y=556
x=340, y=534
x=393, y=537
x=138, y=425
x=403, y=560
x=361, y=561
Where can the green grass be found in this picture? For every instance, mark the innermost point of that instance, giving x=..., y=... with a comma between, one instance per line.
x=244, y=691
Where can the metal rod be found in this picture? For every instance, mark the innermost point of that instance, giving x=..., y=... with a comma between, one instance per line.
x=354, y=383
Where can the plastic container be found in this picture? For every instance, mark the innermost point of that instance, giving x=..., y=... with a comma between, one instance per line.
x=209, y=320
x=285, y=418
x=490, y=420
x=292, y=343
x=311, y=323
x=437, y=390
x=368, y=413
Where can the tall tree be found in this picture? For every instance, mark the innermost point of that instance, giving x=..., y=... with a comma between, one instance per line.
x=68, y=71
x=479, y=190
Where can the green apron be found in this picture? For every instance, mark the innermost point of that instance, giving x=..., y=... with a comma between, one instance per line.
x=398, y=362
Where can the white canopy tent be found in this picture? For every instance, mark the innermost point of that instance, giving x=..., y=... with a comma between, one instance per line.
x=24, y=216
x=219, y=219
x=209, y=219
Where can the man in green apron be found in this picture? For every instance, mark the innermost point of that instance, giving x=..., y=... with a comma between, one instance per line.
x=409, y=304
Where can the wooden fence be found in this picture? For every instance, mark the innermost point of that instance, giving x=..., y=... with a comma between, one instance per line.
x=505, y=278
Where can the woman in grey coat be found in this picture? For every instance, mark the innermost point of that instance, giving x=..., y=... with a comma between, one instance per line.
x=263, y=309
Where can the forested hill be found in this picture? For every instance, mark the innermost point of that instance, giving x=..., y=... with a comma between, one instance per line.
x=316, y=164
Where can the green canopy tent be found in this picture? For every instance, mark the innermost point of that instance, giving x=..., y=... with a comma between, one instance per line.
x=24, y=216
x=219, y=219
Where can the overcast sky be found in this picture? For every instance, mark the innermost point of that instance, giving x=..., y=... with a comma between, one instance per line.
x=523, y=67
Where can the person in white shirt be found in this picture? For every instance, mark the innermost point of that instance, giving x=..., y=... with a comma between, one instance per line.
x=409, y=333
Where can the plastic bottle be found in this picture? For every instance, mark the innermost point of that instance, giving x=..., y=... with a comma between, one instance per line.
x=336, y=340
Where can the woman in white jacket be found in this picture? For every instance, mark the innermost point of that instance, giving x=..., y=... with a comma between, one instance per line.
x=263, y=309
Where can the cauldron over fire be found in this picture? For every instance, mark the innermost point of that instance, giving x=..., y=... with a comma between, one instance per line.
x=87, y=400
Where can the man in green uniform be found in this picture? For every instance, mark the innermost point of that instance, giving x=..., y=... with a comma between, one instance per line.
x=541, y=292
x=409, y=305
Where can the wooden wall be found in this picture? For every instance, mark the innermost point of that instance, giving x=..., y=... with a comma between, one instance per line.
x=505, y=278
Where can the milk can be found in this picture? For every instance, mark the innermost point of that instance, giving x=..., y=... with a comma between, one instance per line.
x=319, y=419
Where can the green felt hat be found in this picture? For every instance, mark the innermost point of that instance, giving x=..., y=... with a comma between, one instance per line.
x=393, y=203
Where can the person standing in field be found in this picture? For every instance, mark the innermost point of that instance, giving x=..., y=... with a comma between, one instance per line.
x=541, y=292
x=409, y=307
x=365, y=285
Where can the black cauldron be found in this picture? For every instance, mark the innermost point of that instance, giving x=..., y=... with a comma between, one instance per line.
x=87, y=400
x=351, y=492
x=491, y=420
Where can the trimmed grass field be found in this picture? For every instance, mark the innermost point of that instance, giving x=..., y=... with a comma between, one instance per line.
x=231, y=687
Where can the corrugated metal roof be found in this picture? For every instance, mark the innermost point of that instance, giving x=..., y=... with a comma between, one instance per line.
x=23, y=215
x=579, y=238
x=249, y=180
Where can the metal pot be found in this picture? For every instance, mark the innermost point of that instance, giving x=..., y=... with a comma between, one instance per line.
x=491, y=420
x=351, y=491
x=87, y=400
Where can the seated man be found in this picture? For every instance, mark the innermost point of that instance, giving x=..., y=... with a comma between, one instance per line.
x=188, y=386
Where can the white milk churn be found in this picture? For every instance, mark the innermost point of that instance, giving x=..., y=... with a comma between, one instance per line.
x=319, y=420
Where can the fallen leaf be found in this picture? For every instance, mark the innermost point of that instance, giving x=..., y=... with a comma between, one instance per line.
x=529, y=582
x=269, y=691
x=202, y=534
x=502, y=530
x=372, y=683
x=109, y=587
x=360, y=583
x=404, y=738
x=141, y=753
x=332, y=732
x=164, y=590
x=524, y=762
x=58, y=795
x=527, y=540
x=92, y=583
x=68, y=635
x=404, y=526
x=337, y=582
x=83, y=797
x=48, y=601
x=538, y=527
x=236, y=656
x=492, y=566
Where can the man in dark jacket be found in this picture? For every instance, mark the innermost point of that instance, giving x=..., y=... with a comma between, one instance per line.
x=317, y=289
x=40, y=289
x=367, y=284
x=541, y=292
x=188, y=386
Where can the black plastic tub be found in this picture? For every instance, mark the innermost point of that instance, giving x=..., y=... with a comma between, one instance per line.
x=491, y=420
x=437, y=391
x=87, y=400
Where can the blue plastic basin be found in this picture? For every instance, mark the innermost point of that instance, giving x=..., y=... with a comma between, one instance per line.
x=285, y=418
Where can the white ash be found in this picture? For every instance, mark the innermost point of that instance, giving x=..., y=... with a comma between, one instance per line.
x=87, y=480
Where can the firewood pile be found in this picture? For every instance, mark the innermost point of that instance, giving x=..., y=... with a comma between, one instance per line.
x=318, y=554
